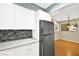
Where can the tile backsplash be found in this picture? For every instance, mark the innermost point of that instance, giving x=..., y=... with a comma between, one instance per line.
x=9, y=35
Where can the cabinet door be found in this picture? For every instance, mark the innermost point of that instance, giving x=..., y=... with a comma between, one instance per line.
x=35, y=50
x=6, y=16
x=25, y=50
x=8, y=52
x=24, y=18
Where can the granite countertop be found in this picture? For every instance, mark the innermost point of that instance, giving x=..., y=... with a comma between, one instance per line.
x=16, y=43
x=10, y=35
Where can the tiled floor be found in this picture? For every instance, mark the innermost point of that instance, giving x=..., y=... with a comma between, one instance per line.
x=66, y=48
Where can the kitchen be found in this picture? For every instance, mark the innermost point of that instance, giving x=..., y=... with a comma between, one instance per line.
x=32, y=29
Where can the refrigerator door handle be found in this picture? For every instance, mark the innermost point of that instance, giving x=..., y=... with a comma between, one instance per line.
x=41, y=40
x=41, y=27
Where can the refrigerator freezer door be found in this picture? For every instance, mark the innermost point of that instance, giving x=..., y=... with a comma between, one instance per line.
x=46, y=27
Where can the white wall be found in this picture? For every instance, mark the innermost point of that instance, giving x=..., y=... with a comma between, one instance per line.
x=56, y=30
x=40, y=15
x=43, y=15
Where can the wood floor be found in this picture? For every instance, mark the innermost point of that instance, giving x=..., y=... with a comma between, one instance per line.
x=66, y=48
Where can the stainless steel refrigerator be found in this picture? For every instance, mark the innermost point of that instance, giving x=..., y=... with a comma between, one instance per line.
x=46, y=38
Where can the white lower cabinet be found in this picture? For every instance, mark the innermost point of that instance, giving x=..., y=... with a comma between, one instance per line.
x=35, y=49
x=27, y=50
x=8, y=52
x=24, y=50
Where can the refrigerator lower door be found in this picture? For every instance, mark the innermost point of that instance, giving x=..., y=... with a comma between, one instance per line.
x=48, y=45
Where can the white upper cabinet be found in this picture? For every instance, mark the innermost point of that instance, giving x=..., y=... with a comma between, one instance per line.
x=6, y=16
x=24, y=18
x=16, y=17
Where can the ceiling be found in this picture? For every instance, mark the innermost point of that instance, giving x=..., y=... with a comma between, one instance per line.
x=58, y=11
x=44, y=5
x=62, y=14
x=31, y=6
x=35, y=6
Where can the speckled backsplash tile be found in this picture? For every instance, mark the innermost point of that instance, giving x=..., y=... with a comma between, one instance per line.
x=9, y=35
